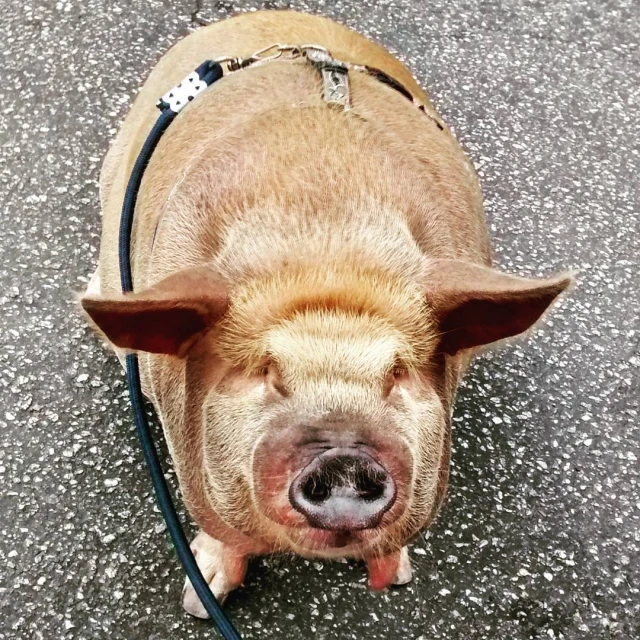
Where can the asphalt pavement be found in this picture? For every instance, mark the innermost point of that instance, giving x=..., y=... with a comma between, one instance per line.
x=540, y=535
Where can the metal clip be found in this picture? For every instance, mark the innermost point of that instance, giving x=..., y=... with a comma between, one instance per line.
x=272, y=52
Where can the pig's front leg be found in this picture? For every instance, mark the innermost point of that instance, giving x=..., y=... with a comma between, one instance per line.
x=388, y=570
x=222, y=567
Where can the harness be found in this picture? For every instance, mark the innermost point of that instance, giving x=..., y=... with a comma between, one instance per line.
x=336, y=93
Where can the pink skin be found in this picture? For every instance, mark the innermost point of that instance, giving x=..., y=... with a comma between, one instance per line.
x=284, y=451
x=234, y=564
x=222, y=567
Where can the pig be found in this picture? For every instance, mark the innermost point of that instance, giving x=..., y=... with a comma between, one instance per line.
x=310, y=284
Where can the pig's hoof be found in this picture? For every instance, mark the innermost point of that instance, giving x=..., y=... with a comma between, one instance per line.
x=404, y=572
x=93, y=288
x=222, y=568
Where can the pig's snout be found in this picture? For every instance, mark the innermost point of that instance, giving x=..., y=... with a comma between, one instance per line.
x=343, y=489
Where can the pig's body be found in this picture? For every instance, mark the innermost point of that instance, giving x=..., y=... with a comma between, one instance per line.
x=270, y=124
x=292, y=204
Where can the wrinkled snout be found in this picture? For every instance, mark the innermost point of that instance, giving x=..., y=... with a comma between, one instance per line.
x=343, y=489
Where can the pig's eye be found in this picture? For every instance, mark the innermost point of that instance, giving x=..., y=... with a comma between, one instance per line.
x=264, y=368
x=396, y=376
x=399, y=371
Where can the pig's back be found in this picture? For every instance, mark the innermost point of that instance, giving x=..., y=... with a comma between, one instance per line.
x=263, y=130
x=285, y=175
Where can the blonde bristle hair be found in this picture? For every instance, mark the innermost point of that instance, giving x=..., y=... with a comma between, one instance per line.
x=351, y=291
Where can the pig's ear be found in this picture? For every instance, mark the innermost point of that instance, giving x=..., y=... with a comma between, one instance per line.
x=475, y=305
x=166, y=318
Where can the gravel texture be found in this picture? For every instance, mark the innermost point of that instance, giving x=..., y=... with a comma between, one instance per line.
x=540, y=536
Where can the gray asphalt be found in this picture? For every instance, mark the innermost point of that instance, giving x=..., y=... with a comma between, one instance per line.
x=540, y=536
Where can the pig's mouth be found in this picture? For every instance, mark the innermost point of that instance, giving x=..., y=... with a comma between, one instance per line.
x=320, y=542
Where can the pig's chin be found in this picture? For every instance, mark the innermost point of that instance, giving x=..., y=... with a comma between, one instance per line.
x=332, y=544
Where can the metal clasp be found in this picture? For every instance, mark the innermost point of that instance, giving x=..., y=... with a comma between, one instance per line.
x=272, y=52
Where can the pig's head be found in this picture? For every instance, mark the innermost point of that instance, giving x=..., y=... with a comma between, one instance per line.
x=317, y=403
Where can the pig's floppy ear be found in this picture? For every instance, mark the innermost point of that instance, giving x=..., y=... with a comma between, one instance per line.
x=166, y=318
x=475, y=305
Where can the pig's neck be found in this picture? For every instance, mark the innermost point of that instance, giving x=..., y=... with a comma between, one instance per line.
x=266, y=239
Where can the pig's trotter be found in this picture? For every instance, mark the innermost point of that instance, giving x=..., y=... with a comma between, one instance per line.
x=392, y=569
x=222, y=568
x=404, y=574
x=93, y=288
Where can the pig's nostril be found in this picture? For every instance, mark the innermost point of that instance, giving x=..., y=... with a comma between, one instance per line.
x=371, y=488
x=316, y=490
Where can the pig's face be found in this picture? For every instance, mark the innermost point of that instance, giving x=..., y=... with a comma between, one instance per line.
x=342, y=434
x=316, y=402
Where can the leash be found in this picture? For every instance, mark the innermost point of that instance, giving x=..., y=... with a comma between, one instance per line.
x=205, y=75
x=336, y=93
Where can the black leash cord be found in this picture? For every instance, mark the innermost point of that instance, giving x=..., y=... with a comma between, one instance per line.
x=209, y=72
